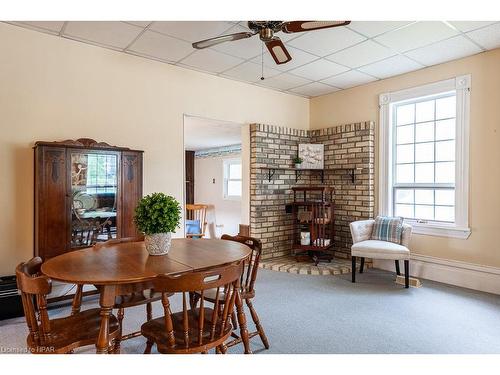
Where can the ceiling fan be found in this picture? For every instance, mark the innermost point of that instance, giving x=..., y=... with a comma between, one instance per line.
x=266, y=31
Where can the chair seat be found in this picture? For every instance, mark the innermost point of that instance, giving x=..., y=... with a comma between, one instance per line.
x=376, y=249
x=75, y=331
x=156, y=331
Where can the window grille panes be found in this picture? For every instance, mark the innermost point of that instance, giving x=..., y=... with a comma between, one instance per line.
x=424, y=158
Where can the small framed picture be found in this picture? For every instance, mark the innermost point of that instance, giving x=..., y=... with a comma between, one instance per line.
x=312, y=155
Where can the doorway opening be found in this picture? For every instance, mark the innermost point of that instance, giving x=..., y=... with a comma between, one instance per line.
x=216, y=195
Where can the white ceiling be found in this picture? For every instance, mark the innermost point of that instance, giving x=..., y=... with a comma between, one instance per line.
x=323, y=61
x=202, y=134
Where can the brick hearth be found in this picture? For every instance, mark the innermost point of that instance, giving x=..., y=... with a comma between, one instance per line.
x=290, y=265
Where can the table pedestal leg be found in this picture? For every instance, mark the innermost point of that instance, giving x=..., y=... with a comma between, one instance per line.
x=242, y=322
x=106, y=301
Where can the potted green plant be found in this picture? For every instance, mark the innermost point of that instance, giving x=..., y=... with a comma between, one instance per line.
x=157, y=215
x=297, y=161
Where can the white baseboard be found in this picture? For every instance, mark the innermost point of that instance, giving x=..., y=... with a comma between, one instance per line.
x=466, y=275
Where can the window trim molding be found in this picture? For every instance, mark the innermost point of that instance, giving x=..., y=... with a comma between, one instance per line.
x=462, y=86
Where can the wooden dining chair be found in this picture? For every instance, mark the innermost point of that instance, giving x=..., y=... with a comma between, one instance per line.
x=60, y=335
x=247, y=284
x=138, y=294
x=194, y=330
x=197, y=212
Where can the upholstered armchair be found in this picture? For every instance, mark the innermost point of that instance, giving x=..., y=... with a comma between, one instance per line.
x=364, y=247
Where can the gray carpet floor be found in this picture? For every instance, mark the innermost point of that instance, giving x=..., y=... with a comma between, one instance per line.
x=329, y=314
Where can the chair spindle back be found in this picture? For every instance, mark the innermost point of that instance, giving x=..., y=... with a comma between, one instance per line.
x=195, y=323
x=34, y=286
x=197, y=212
x=251, y=264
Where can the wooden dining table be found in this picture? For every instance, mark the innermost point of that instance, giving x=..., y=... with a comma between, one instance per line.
x=114, y=269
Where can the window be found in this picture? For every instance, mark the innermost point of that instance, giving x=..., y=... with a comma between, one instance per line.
x=424, y=157
x=232, y=179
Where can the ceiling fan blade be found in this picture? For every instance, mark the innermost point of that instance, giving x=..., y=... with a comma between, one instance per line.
x=221, y=39
x=278, y=51
x=299, y=26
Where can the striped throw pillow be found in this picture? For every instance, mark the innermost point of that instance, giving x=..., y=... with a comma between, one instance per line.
x=387, y=229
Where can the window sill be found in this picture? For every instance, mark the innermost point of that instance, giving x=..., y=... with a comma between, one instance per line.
x=232, y=198
x=440, y=230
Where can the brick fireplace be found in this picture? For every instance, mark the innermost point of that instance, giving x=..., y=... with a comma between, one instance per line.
x=348, y=147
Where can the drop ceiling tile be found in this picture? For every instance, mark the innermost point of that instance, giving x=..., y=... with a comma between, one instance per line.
x=466, y=26
x=284, y=81
x=192, y=31
x=361, y=54
x=51, y=26
x=110, y=33
x=319, y=69
x=298, y=58
x=349, y=79
x=243, y=48
x=250, y=72
x=374, y=28
x=325, y=42
x=314, y=89
x=211, y=61
x=139, y=23
x=450, y=49
x=161, y=46
x=487, y=37
x=416, y=35
x=390, y=67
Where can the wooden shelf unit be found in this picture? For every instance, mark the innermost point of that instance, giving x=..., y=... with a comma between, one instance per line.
x=312, y=211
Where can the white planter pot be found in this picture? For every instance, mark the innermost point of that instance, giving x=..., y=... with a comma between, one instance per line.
x=158, y=243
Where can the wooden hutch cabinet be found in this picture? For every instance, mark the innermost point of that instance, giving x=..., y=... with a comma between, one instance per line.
x=85, y=192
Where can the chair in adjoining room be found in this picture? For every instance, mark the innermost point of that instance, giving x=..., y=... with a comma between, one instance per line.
x=366, y=247
x=139, y=294
x=247, y=289
x=196, y=220
x=61, y=335
x=194, y=330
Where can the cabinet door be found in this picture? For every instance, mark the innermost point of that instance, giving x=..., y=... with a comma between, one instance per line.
x=51, y=219
x=131, y=190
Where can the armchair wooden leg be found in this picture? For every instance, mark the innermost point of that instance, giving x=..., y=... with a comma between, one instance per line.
x=362, y=266
x=353, y=273
x=398, y=272
x=407, y=274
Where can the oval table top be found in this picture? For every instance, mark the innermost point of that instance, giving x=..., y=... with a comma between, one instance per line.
x=130, y=262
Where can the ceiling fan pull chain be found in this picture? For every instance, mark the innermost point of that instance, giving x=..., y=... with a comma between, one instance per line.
x=262, y=62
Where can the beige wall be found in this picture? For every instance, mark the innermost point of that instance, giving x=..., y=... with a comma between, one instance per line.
x=55, y=89
x=361, y=104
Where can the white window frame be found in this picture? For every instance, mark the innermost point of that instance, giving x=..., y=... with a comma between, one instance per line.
x=461, y=85
x=226, y=164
